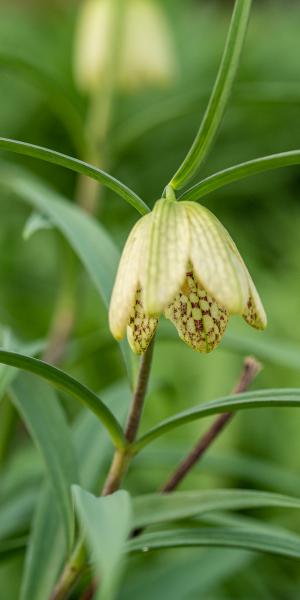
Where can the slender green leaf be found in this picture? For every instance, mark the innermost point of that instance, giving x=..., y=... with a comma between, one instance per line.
x=66, y=383
x=36, y=222
x=238, y=172
x=92, y=443
x=46, y=550
x=286, y=397
x=88, y=238
x=78, y=166
x=282, y=543
x=9, y=342
x=106, y=523
x=220, y=94
x=237, y=520
x=38, y=406
x=156, y=508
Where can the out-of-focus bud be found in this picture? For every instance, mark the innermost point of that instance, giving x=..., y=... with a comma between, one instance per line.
x=146, y=54
x=148, y=50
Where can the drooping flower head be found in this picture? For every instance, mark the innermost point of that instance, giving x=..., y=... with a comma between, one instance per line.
x=180, y=260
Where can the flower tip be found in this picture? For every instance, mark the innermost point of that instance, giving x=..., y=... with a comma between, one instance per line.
x=116, y=322
x=117, y=332
x=254, y=313
x=263, y=324
x=263, y=319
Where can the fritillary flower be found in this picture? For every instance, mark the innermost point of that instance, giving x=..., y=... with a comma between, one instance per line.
x=179, y=260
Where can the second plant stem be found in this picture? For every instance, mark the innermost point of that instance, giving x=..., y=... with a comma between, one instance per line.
x=120, y=462
x=250, y=369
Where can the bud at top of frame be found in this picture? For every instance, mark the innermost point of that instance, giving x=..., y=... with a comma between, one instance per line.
x=146, y=53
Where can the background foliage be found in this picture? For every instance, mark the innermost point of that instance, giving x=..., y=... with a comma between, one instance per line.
x=150, y=133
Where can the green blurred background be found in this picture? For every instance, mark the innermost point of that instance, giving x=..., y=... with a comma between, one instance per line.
x=150, y=132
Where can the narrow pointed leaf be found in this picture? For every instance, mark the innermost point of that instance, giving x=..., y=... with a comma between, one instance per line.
x=89, y=240
x=36, y=222
x=289, y=397
x=241, y=171
x=79, y=167
x=46, y=549
x=220, y=94
x=9, y=342
x=283, y=543
x=39, y=408
x=155, y=508
x=66, y=383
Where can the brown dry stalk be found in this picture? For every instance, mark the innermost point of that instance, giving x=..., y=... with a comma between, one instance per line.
x=251, y=368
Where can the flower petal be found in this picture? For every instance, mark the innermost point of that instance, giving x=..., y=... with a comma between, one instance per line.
x=216, y=265
x=255, y=314
x=166, y=255
x=127, y=279
x=140, y=329
x=199, y=320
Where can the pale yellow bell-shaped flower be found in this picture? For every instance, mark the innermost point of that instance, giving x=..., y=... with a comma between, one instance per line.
x=180, y=260
x=145, y=54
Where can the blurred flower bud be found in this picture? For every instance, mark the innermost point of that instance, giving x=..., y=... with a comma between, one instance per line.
x=145, y=55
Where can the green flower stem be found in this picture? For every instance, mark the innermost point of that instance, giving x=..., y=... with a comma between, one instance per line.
x=250, y=370
x=88, y=191
x=169, y=193
x=220, y=94
x=100, y=113
x=136, y=409
x=120, y=462
x=71, y=573
x=241, y=171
